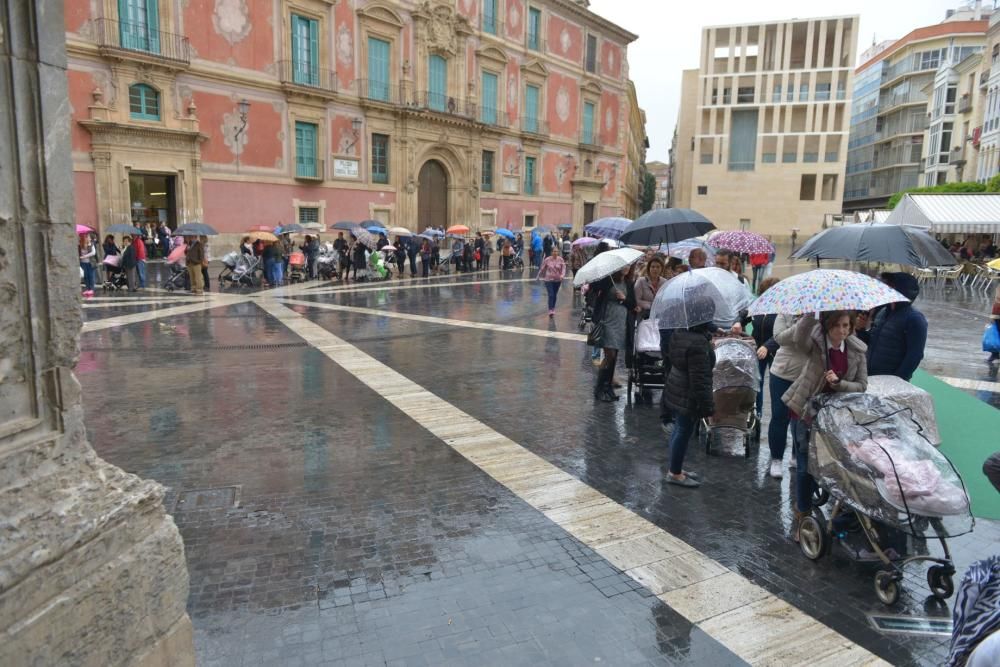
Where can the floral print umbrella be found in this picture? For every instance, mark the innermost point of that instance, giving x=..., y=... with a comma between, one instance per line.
x=744, y=243
x=825, y=290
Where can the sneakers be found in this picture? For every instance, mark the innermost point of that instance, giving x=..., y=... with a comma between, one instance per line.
x=596, y=361
x=775, y=469
x=667, y=427
x=552, y=313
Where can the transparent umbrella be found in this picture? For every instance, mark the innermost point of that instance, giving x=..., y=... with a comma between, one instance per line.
x=700, y=296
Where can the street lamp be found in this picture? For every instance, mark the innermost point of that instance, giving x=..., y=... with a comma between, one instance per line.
x=243, y=107
x=356, y=128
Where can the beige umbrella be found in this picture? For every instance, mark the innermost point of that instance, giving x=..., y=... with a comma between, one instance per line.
x=400, y=231
x=262, y=236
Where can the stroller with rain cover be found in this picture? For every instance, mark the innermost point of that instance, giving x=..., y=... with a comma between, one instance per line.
x=646, y=368
x=114, y=276
x=735, y=380
x=871, y=455
x=240, y=269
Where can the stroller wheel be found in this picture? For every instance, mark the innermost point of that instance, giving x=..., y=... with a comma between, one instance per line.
x=886, y=587
x=820, y=497
x=940, y=582
x=813, y=540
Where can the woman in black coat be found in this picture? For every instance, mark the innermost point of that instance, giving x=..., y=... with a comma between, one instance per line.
x=688, y=393
x=611, y=304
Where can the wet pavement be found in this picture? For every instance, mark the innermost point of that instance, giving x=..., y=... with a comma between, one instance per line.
x=326, y=525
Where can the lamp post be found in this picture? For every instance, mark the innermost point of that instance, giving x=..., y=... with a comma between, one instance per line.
x=356, y=128
x=243, y=107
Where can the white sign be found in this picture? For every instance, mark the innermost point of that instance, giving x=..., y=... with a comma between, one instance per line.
x=510, y=183
x=345, y=168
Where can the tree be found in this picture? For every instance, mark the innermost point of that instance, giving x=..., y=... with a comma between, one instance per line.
x=967, y=186
x=993, y=185
x=648, y=195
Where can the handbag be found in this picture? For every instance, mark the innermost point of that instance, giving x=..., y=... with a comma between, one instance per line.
x=991, y=338
x=595, y=337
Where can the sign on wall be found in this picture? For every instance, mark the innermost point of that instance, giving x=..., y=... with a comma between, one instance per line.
x=345, y=168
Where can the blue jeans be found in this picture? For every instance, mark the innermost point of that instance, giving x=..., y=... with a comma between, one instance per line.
x=777, y=430
x=595, y=353
x=762, y=365
x=552, y=287
x=805, y=485
x=279, y=273
x=683, y=430
x=88, y=275
x=140, y=268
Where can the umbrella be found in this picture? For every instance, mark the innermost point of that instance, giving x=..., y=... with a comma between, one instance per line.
x=585, y=241
x=743, y=243
x=434, y=232
x=83, y=229
x=177, y=254
x=290, y=228
x=400, y=231
x=195, y=229
x=458, y=229
x=544, y=229
x=343, y=226
x=376, y=230
x=877, y=242
x=262, y=236
x=822, y=290
x=313, y=227
x=682, y=250
x=365, y=237
x=425, y=235
x=260, y=228
x=506, y=233
x=565, y=225
x=122, y=228
x=698, y=297
x=666, y=225
x=605, y=264
x=607, y=228
x=995, y=264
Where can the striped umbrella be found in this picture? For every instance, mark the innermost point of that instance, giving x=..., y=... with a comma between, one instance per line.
x=607, y=228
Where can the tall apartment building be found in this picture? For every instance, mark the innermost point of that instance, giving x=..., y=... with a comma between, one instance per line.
x=890, y=113
x=954, y=110
x=986, y=137
x=762, y=131
x=481, y=112
x=660, y=172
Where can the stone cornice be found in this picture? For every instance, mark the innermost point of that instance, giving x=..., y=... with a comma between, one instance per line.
x=588, y=16
x=142, y=135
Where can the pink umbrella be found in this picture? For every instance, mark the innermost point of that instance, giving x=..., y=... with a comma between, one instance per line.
x=586, y=241
x=83, y=229
x=744, y=243
x=177, y=254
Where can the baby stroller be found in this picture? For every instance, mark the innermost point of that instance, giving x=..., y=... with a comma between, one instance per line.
x=328, y=261
x=646, y=368
x=241, y=269
x=735, y=380
x=377, y=270
x=178, y=278
x=870, y=455
x=296, y=267
x=114, y=277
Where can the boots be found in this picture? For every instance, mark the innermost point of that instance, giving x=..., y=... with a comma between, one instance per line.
x=603, y=390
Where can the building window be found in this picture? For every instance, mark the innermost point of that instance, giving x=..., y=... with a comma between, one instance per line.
x=810, y=157
x=829, y=187
x=534, y=29
x=743, y=140
x=950, y=96
x=807, y=187
x=703, y=189
x=489, y=111
x=437, y=76
x=804, y=92
x=143, y=102
x=776, y=96
x=531, y=109
x=139, y=25
x=529, y=176
x=308, y=214
x=490, y=16
x=591, y=62
x=529, y=221
x=822, y=92
x=305, y=50
x=588, y=123
x=831, y=156
x=769, y=158
x=378, y=69
x=486, y=183
x=380, y=158
x=788, y=157
x=305, y=150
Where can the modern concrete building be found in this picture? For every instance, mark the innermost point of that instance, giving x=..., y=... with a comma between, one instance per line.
x=767, y=112
x=481, y=112
x=890, y=113
x=661, y=172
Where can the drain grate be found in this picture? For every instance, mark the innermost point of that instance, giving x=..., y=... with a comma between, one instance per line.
x=207, y=499
x=911, y=625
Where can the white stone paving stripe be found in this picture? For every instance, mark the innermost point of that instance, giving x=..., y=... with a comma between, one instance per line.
x=371, y=287
x=487, y=326
x=749, y=621
x=133, y=318
x=121, y=303
x=974, y=385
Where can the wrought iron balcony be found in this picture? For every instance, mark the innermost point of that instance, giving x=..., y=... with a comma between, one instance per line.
x=303, y=77
x=378, y=91
x=139, y=42
x=532, y=125
x=440, y=103
x=493, y=117
x=310, y=171
x=964, y=103
x=590, y=141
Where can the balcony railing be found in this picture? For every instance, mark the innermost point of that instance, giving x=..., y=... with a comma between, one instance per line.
x=439, y=103
x=898, y=156
x=590, y=141
x=142, y=42
x=294, y=73
x=889, y=101
x=965, y=103
x=493, y=116
x=494, y=27
x=310, y=171
x=984, y=79
x=533, y=125
x=531, y=187
x=378, y=91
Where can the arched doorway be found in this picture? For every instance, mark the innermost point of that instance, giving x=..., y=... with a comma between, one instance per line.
x=432, y=199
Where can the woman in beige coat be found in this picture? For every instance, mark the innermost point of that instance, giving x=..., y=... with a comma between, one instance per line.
x=835, y=361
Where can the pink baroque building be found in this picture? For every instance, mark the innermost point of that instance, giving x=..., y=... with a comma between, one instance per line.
x=509, y=113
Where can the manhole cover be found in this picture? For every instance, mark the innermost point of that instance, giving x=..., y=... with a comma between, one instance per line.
x=207, y=499
x=910, y=625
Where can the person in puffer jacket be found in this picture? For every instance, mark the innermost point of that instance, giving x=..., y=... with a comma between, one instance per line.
x=899, y=332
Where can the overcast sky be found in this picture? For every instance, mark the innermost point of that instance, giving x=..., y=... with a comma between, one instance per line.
x=670, y=36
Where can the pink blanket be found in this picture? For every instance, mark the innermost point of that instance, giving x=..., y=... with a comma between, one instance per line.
x=919, y=481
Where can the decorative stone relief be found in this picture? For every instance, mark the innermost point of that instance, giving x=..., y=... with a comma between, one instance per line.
x=562, y=104
x=442, y=32
x=345, y=45
x=107, y=85
x=609, y=119
x=611, y=61
x=230, y=124
x=511, y=91
x=514, y=17
x=565, y=41
x=347, y=143
x=231, y=20
x=561, y=172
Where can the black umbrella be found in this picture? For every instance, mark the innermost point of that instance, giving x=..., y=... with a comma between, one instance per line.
x=666, y=225
x=345, y=226
x=195, y=229
x=290, y=228
x=122, y=228
x=877, y=242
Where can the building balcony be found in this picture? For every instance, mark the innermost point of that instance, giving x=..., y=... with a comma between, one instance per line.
x=536, y=44
x=313, y=171
x=887, y=102
x=131, y=41
x=493, y=27
x=532, y=125
x=379, y=92
x=493, y=117
x=590, y=142
x=984, y=78
x=964, y=103
x=302, y=78
x=530, y=188
x=426, y=100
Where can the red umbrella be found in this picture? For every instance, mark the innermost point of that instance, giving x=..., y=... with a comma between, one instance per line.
x=458, y=229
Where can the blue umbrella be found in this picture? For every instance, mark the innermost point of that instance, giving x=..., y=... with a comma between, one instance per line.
x=506, y=233
x=434, y=232
x=345, y=226
x=195, y=229
x=368, y=224
x=565, y=225
x=607, y=228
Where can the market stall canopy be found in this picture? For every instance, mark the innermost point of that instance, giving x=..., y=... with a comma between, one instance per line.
x=955, y=213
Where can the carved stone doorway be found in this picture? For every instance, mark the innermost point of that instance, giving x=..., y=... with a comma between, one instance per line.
x=432, y=197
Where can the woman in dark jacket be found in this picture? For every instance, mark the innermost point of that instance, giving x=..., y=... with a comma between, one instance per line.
x=611, y=309
x=763, y=333
x=688, y=391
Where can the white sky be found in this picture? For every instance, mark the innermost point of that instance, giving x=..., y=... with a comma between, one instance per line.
x=670, y=37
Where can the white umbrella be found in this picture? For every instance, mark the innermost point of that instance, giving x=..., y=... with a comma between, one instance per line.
x=700, y=296
x=400, y=231
x=825, y=290
x=605, y=264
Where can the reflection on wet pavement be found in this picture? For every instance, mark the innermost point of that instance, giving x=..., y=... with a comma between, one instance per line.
x=360, y=535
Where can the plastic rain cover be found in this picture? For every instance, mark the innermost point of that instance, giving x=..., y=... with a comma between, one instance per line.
x=909, y=396
x=736, y=364
x=870, y=453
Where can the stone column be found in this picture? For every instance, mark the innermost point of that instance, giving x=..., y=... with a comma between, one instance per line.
x=92, y=569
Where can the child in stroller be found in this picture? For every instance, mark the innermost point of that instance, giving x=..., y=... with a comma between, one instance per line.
x=735, y=380
x=296, y=267
x=114, y=277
